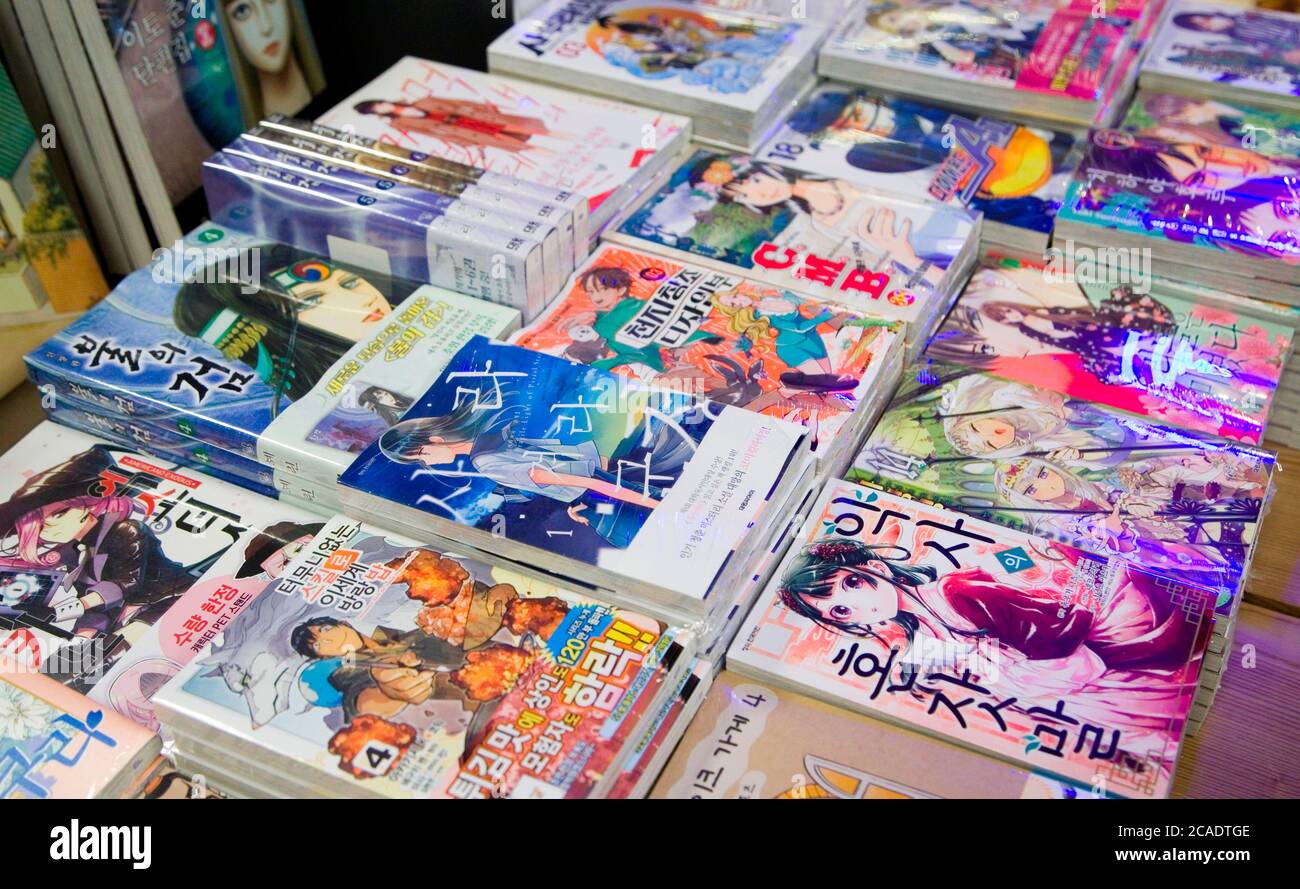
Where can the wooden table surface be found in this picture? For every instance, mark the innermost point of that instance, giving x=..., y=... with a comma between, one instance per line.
x=1250, y=742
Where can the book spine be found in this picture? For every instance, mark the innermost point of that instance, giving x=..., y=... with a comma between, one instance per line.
x=416, y=243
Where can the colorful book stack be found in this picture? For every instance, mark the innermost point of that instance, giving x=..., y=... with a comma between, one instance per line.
x=832, y=239
x=255, y=360
x=1056, y=61
x=734, y=72
x=515, y=136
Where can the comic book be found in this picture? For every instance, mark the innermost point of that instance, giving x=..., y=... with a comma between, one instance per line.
x=726, y=338
x=1178, y=504
x=761, y=741
x=1177, y=353
x=102, y=549
x=602, y=149
x=1015, y=175
x=1227, y=213
x=379, y=666
x=57, y=744
x=1218, y=121
x=1048, y=59
x=1208, y=50
x=732, y=71
x=1040, y=654
x=833, y=239
x=649, y=492
x=264, y=350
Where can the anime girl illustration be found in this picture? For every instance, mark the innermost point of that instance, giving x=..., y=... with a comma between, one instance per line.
x=385, y=403
x=275, y=55
x=1248, y=43
x=462, y=122
x=727, y=206
x=304, y=316
x=1181, y=119
x=1102, y=661
x=575, y=474
x=701, y=49
x=794, y=336
x=966, y=36
x=115, y=569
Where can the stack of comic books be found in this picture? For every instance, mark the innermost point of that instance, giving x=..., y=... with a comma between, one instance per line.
x=270, y=366
x=730, y=340
x=1179, y=505
x=754, y=740
x=1042, y=655
x=57, y=744
x=116, y=566
x=734, y=72
x=1216, y=214
x=1057, y=61
x=1214, y=52
x=514, y=135
x=1015, y=175
x=1228, y=126
x=831, y=239
x=383, y=667
x=649, y=496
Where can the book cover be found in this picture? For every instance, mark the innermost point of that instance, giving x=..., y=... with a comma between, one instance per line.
x=1219, y=122
x=99, y=544
x=1055, y=47
x=387, y=667
x=539, y=134
x=829, y=238
x=1059, y=467
x=1221, y=198
x=264, y=350
x=697, y=54
x=581, y=464
x=1015, y=175
x=1169, y=351
x=46, y=262
x=1253, y=49
x=755, y=740
x=57, y=744
x=1038, y=653
x=720, y=336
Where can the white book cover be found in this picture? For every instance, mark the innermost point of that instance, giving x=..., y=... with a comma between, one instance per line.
x=539, y=134
x=1254, y=49
x=734, y=61
x=381, y=666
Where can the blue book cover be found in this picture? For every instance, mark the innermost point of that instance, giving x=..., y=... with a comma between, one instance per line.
x=261, y=349
x=582, y=465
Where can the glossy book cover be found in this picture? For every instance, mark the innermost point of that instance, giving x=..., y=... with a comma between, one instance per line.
x=1040, y=654
x=1059, y=47
x=57, y=744
x=1015, y=175
x=1177, y=504
x=383, y=666
x=726, y=338
x=825, y=237
x=1256, y=49
x=1221, y=122
x=511, y=127
x=264, y=350
x=733, y=59
x=1172, y=352
x=581, y=464
x=100, y=545
x=1222, y=198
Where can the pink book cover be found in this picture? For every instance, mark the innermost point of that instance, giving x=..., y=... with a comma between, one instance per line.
x=1038, y=653
x=57, y=744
